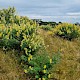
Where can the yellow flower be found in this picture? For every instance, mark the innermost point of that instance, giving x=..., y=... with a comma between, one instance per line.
x=30, y=56
x=44, y=66
x=29, y=46
x=26, y=50
x=25, y=71
x=49, y=76
x=24, y=36
x=29, y=59
x=44, y=71
x=30, y=67
x=50, y=60
x=17, y=34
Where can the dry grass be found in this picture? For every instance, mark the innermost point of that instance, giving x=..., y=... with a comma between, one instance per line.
x=67, y=69
x=9, y=67
x=69, y=66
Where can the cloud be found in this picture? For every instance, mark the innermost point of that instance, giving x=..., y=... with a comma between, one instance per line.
x=74, y=13
x=64, y=10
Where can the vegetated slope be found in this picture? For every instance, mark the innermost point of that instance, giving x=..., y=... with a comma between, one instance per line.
x=9, y=67
x=69, y=66
x=67, y=69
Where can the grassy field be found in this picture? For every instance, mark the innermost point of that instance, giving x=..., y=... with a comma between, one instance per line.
x=67, y=69
x=9, y=67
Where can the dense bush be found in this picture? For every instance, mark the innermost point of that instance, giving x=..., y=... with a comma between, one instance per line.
x=8, y=17
x=31, y=44
x=68, y=31
x=16, y=32
x=40, y=65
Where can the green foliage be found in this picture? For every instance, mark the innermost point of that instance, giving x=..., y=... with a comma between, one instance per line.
x=41, y=64
x=8, y=17
x=20, y=33
x=10, y=43
x=68, y=31
x=31, y=43
x=46, y=27
x=16, y=34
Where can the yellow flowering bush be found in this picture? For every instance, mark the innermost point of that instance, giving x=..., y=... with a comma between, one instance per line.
x=66, y=30
x=19, y=33
x=40, y=65
x=8, y=17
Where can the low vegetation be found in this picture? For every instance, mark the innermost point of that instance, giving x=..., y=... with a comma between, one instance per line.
x=41, y=52
x=46, y=27
x=68, y=31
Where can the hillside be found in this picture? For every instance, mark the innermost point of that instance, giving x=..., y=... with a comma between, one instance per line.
x=69, y=66
x=9, y=67
x=32, y=52
x=67, y=69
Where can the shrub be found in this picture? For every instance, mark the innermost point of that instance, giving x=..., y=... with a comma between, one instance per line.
x=68, y=31
x=40, y=65
x=46, y=27
x=16, y=33
x=8, y=17
x=31, y=44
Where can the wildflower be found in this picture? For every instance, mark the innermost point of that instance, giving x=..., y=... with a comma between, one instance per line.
x=44, y=66
x=30, y=56
x=25, y=71
x=24, y=36
x=49, y=76
x=26, y=50
x=50, y=60
x=44, y=71
x=29, y=46
x=29, y=67
x=17, y=34
x=29, y=59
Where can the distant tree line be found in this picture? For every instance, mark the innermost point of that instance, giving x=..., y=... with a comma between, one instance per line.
x=40, y=22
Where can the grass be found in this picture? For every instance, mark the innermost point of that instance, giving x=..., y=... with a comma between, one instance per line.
x=69, y=66
x=9, y=67
x=67, y=69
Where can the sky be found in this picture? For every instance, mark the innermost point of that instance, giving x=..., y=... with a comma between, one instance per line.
x=47, y=10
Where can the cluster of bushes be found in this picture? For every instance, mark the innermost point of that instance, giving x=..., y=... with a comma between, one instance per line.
x=20, y=33
x=40, y=65
x=66, y=30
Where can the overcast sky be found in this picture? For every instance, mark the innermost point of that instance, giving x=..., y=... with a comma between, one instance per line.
x=48, y=10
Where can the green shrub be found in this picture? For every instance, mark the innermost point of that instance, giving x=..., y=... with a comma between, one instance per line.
x=31, y=44
x=68, y=31
x=10, y=43
x=40, y=65
x=8, y=17
x=46, y=27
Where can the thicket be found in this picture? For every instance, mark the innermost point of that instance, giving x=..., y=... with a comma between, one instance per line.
x=66, y=30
